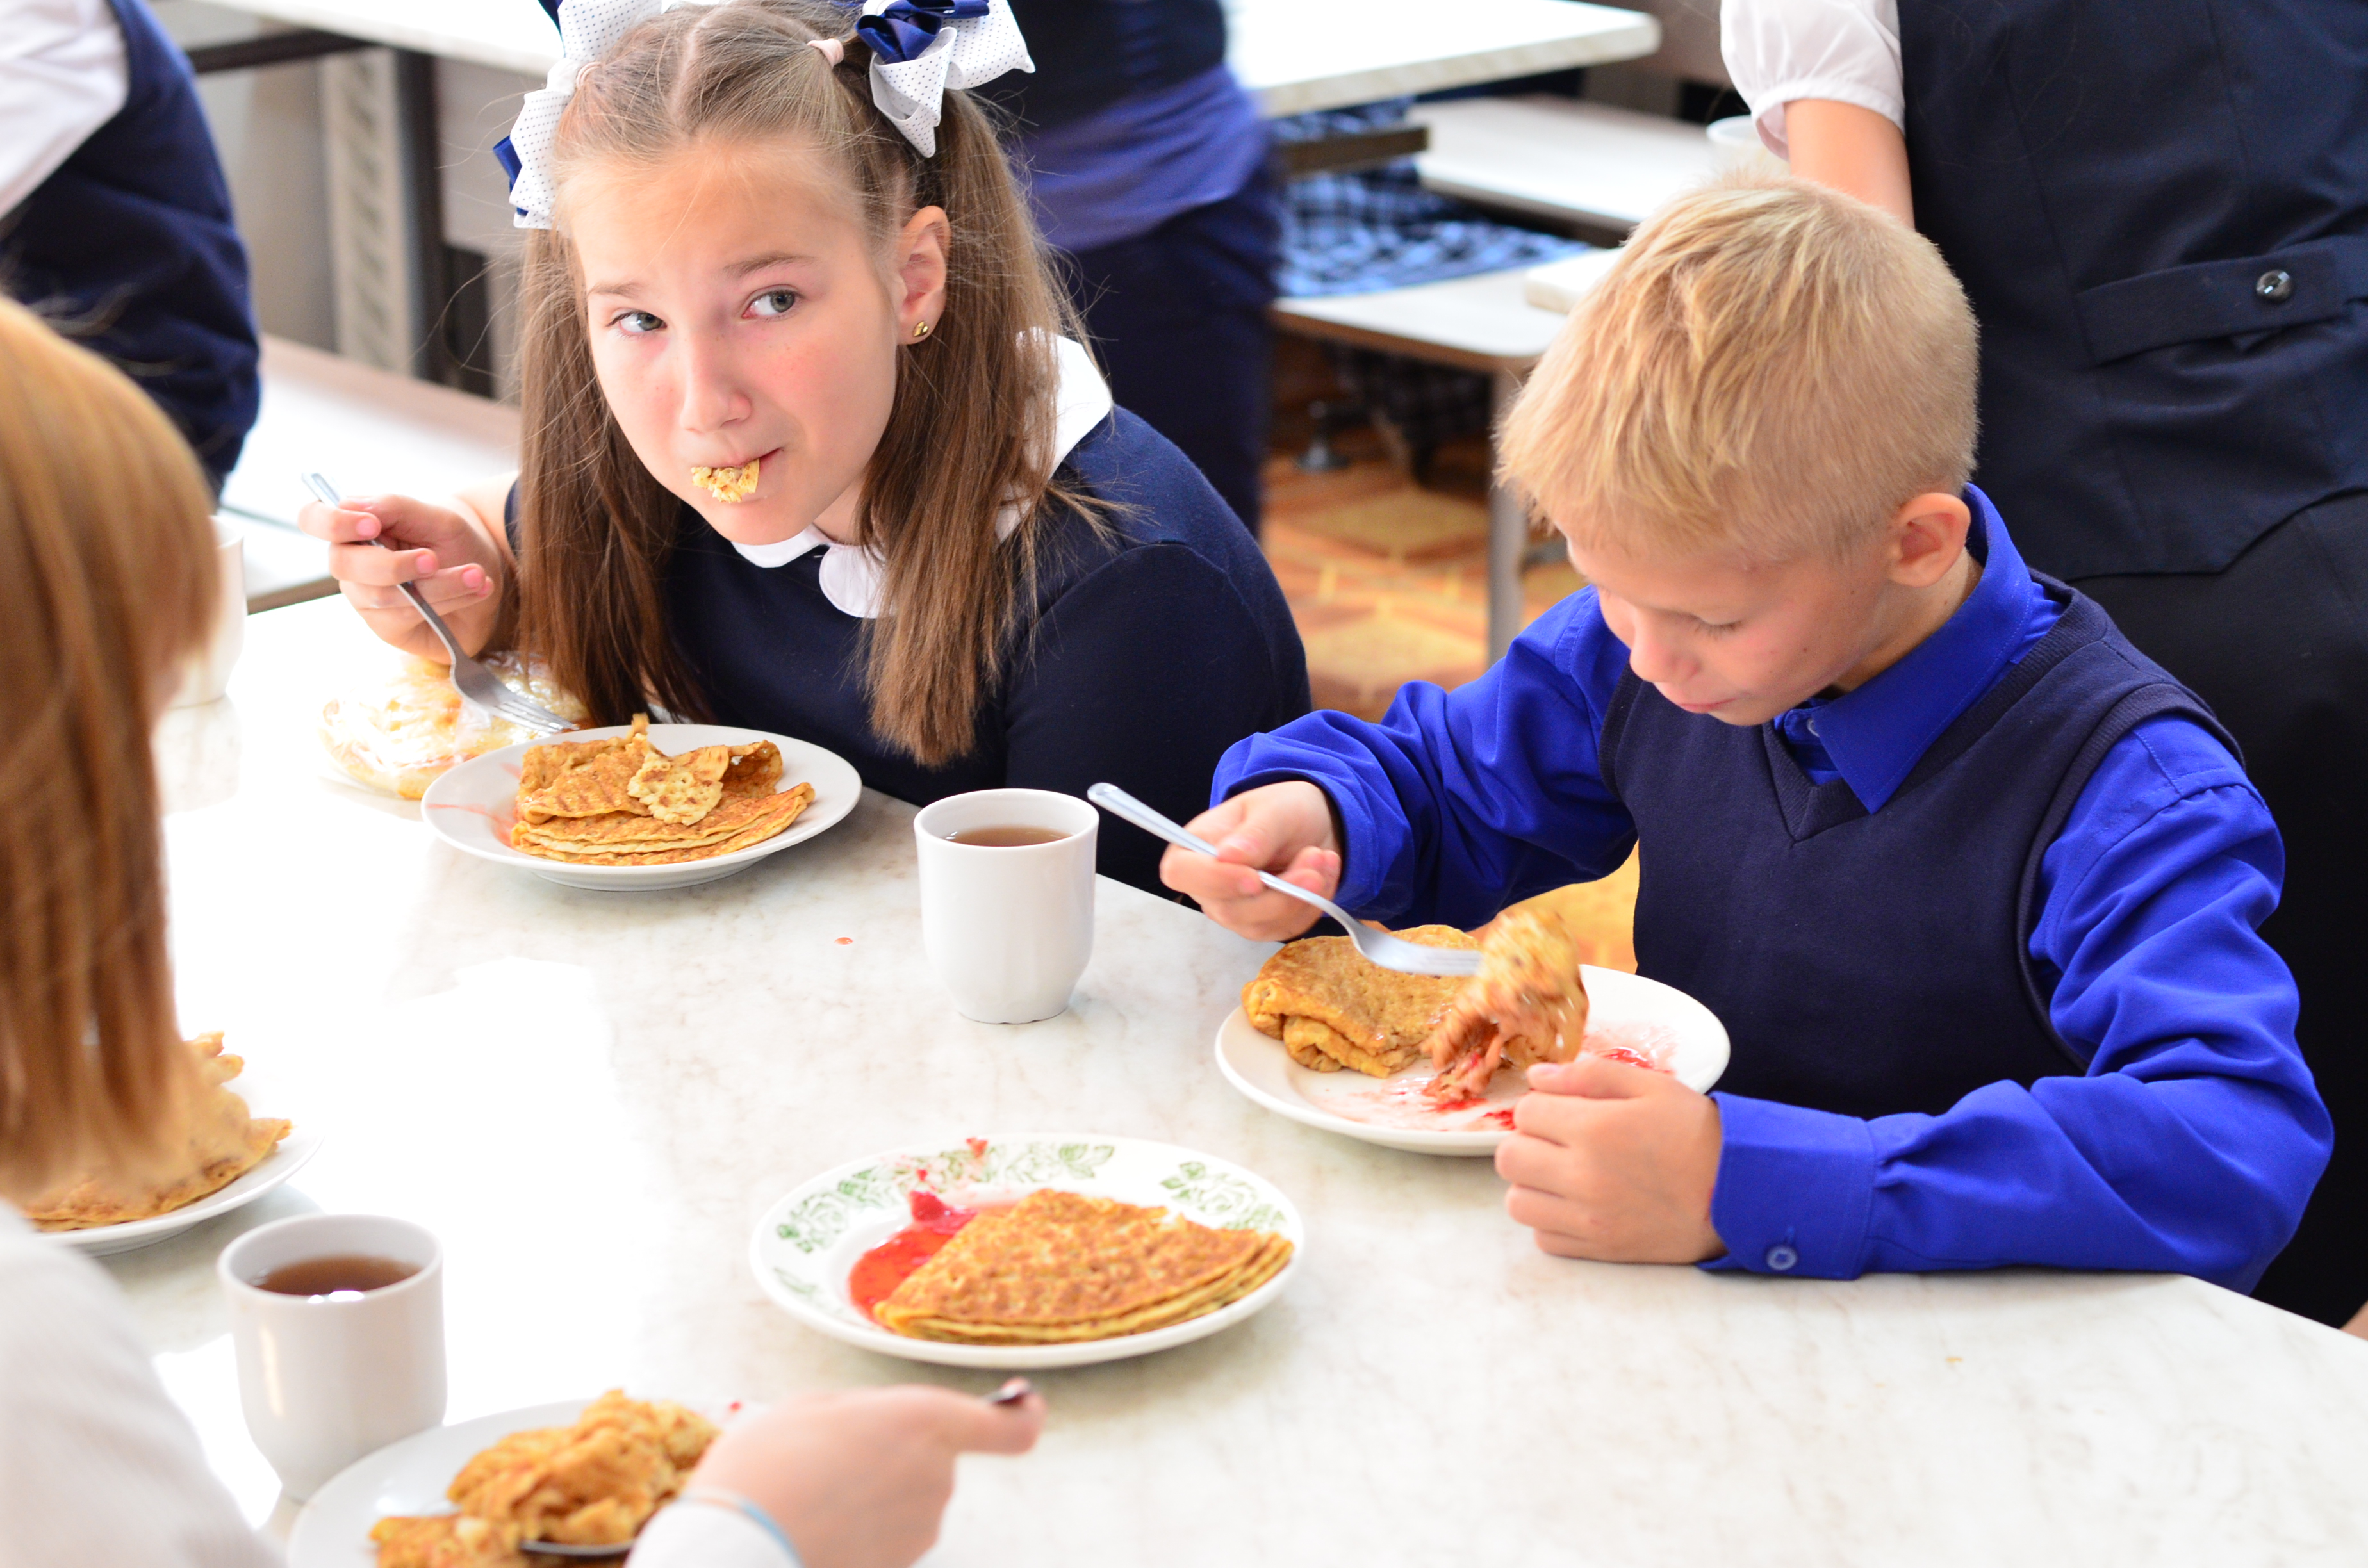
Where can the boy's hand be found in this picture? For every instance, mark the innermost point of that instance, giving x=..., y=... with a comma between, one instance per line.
x=1284, y=828
x=1613, y=1163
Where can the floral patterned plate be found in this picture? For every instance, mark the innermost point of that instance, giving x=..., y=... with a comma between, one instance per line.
x=809, y=1242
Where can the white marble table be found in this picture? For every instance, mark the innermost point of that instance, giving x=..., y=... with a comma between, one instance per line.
x=1294, y=55
x=591, y=1099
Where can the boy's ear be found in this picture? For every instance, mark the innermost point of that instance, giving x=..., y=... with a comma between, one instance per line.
x=1928, y=534
x=921, y=271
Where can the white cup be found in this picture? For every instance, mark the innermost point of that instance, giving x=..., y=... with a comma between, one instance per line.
x=1009, y=929
x=206, y=674
x=325, y=1380
x=1735, y=144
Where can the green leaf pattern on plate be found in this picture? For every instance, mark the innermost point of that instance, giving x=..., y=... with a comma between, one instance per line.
x=1226, y=1201
x=823, y=1217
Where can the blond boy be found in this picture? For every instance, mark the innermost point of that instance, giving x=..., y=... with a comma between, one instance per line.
x=1973, y=886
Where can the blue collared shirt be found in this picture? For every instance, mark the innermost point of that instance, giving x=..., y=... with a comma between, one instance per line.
x=2194, y=1138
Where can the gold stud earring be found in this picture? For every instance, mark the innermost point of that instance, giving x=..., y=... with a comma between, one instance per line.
x=920, y=330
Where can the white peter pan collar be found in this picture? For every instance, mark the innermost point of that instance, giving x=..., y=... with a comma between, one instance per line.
x=851, y=575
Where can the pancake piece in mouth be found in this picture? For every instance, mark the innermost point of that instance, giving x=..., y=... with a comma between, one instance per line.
x=728, y=483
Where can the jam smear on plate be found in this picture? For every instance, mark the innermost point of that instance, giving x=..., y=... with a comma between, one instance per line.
x=878, y=1272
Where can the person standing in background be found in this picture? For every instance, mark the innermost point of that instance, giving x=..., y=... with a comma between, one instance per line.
x=1147, y=165
x=115, y=218
x=2160, y=214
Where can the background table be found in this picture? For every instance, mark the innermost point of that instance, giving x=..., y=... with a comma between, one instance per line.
x=591, y=1097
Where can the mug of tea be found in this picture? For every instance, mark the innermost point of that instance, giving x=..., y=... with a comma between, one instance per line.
x=1008, y=900
x=338, y=1323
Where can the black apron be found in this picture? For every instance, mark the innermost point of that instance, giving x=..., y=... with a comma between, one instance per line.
x=2159, y=209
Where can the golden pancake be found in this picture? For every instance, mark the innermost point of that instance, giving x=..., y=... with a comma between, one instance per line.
x=583, y=778
x=1058, y=1267
x=222, y=1143
x=619, y=839
x=681, y=790
x=727, y=484
x=1527, y=1005
x=1357, y=1014
x=445, y=1540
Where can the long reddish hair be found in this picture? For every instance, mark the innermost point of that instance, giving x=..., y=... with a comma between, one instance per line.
x=106, y=581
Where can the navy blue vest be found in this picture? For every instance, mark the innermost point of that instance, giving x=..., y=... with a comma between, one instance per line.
x=2159, y=209
x=129, y=247
x=1872, y=964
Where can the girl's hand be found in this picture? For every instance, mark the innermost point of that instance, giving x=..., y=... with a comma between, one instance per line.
x=450, y=555
x=862, y=1480
x=1284, y=828
x=1613, y=1163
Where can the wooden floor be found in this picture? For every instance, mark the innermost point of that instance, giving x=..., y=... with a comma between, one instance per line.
x=1387, y=580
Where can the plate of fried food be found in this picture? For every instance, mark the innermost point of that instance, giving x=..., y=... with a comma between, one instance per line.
x=478, y=1494
x=1433, y=1063
x=1027, y=1250
x=228, y=1157
x=642, y=807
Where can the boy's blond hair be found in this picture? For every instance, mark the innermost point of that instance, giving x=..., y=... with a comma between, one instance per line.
x=1770, y=366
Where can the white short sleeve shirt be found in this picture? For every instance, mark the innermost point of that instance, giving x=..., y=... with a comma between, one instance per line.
x=1845, y=51
x=62, y=75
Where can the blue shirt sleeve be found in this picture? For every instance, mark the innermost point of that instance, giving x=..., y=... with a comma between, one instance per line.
x=1457, y=803
x=2192, y=1141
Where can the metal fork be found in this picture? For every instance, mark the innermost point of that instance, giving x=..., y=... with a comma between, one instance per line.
x=476, y=684
x=1379, y=947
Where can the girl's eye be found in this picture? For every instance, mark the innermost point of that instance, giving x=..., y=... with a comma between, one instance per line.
x=637, y=322
x=773, y=302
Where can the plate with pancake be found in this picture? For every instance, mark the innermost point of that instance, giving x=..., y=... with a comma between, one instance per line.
x=581, y=1471
x=1327, y=1040
x=1027, y=1250
x=641, y=807
x=231, y=1157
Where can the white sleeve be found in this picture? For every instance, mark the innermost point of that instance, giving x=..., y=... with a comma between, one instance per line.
x=62, y=75
x=96, y=1465
x=699, y=1535
x=1779, y=51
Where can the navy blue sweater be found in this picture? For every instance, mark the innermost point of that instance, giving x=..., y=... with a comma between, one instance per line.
x=1150, y=649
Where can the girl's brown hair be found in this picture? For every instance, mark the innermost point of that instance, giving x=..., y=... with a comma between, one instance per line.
x=970, y=432
x=107, y=580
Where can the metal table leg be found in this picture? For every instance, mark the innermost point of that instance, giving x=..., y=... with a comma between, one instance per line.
x=1509, y=541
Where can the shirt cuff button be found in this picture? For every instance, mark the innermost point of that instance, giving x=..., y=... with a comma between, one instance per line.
x=1782, y=1258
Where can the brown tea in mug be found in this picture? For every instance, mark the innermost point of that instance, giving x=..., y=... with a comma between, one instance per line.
x=1006, y=837
x=335, y=1275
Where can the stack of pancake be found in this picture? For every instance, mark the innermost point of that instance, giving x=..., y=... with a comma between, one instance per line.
x=224, y=1142
x=1332, y=1008
x=621, y=801
x=1057, y=1267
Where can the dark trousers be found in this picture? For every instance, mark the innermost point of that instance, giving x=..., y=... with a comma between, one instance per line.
x=1178, y=319
x=2278, y=644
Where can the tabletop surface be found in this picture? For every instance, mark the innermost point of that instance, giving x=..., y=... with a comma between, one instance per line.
x=1483, y=321
x=1579, y=163
x=592, y=1098
x=1294, y=55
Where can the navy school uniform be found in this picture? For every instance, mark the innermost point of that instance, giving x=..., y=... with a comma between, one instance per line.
x=129, y=246
x=1981, y=931
x=1149, y=649
x=2160, y=211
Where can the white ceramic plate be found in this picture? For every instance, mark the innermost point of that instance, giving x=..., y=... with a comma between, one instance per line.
x=408, y=1477
x=809, y=1242
x=471, y=808
x=301, y=1144
x=1657, y=1020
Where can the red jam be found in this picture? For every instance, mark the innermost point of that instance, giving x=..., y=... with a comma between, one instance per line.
x=977, y=1147
x=1503, y=1119
x=878, y=1272
x=1628, y=1058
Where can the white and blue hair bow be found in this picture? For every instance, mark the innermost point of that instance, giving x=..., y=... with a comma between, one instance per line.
x=919, y=48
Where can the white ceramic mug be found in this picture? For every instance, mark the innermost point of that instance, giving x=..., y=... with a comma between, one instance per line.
x=1735, y=144
x=206, y=674
x=1009, y=929
x=325, y=1380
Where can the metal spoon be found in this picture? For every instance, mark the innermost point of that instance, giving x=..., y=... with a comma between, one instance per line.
x=1379, y=947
